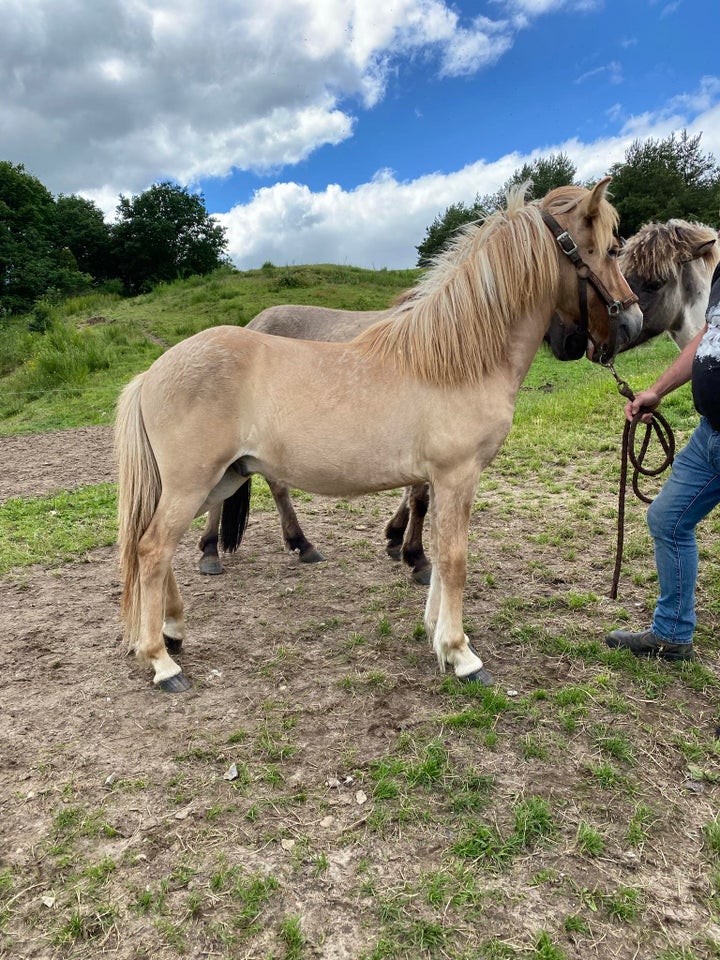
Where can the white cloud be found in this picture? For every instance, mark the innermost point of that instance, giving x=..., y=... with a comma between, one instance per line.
x=380, y=223
x=131, y=91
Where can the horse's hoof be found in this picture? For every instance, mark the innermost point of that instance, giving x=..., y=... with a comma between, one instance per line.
x=394, y=551
x=173, y=644
x=211, y=566
x=178, y=683
x=311, y=556
x=482, y=676
x=422, y=576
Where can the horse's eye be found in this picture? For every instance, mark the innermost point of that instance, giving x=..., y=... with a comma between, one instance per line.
x=652, y=286
x=614, y=252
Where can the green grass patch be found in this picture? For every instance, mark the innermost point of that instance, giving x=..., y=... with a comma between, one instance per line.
x=56, y=528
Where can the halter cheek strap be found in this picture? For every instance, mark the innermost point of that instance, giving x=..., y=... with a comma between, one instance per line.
x=585, y=276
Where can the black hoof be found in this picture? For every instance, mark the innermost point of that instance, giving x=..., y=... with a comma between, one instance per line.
x=178, y=683
x=482, y=676
x=422, y=576
x=311, y=556
x=173, y=644
x=211, y=566
x=394, y=551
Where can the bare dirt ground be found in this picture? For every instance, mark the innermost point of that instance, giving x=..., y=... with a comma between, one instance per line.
x=287, y=805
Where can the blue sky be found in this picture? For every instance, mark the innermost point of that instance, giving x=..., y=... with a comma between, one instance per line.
x=336, y=130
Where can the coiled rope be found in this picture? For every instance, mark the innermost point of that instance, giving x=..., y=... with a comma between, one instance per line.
x=631, y=454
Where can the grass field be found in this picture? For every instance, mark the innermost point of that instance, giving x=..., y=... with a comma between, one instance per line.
x=376, y=810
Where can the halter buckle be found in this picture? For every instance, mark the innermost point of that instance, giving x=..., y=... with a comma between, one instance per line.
x=566, y=243
x=615, y=308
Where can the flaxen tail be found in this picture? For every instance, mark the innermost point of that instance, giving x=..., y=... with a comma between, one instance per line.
x=139, y=489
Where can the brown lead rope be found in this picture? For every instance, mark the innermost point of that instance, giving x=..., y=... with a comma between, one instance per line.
x=662, y=429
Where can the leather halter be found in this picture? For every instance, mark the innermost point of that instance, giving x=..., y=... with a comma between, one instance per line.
x=585, y=276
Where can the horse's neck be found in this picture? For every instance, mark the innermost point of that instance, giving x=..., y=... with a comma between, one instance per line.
x=525, y=340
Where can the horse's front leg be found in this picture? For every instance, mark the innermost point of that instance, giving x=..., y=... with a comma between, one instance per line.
x=210, y=560
x=450, y=507
x=412, y=549
x=293, y=535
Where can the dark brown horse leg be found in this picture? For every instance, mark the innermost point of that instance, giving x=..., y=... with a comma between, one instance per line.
x=412, y=548
x=395, y=529
x=210, y=560
x=293, y=536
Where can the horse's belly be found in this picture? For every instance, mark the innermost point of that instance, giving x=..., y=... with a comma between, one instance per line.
x=347, y=477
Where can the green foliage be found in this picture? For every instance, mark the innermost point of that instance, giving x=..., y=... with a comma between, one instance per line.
x=660, y=179
x=544, y=174
x=81, y=229
x=32, y=257
x=165, y=234
x=443, y=229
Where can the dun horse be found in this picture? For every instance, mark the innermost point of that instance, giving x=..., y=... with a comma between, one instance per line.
x=424, y=395
x=403, y=531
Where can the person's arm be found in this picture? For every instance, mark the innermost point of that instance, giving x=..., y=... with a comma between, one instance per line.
x=678, y=373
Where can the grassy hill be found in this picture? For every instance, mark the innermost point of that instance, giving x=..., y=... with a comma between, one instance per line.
x=63, y=366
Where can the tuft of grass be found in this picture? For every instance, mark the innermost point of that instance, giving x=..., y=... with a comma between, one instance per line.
x=589, y=840
x=293, y=939
x=711, y=836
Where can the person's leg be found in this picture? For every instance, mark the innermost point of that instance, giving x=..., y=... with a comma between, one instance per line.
x=690, y=493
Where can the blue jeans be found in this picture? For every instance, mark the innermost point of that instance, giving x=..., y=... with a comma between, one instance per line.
x=690, y=493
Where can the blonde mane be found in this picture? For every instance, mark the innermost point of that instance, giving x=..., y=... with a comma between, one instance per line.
x=453, y=327
x=658, y=250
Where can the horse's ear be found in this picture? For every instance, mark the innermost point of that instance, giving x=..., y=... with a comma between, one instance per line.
x=702, y=249
x=597, y=194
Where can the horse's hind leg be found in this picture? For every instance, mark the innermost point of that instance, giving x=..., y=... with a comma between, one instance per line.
x=396, y=525
x=174, y=623
x=293, y=535
x=160, y=602
x=210, y=560
x=412, y=547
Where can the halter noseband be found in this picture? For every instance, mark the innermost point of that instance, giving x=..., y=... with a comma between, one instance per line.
x=585, y=276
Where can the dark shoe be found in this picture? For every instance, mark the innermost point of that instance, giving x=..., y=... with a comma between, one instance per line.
x=646, y=644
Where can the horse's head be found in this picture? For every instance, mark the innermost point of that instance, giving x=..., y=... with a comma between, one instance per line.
x=593, y=295
x=669, y=266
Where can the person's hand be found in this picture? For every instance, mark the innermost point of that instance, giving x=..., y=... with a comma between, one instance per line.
x=645, y=402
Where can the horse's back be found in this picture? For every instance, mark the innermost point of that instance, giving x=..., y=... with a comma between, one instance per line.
x=302, y=322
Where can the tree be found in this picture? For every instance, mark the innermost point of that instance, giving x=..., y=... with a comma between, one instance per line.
x=443, y=228
x=660, y=179
x=544, y=174
x=31, y=262
x=165, y=234
x=80, y=228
